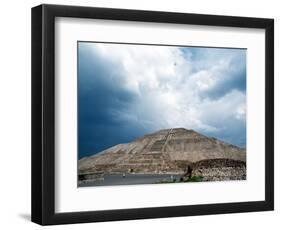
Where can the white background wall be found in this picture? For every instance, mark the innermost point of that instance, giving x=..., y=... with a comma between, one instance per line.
x=15, y=113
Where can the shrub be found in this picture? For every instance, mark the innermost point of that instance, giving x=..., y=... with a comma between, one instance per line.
x=195, y=179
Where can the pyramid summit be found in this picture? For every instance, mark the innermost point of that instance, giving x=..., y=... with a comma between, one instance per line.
x=168, y=151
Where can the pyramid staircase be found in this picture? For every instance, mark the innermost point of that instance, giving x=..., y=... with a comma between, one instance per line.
x=152, y=159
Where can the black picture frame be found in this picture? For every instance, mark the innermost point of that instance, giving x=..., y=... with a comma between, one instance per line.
x=43, y=114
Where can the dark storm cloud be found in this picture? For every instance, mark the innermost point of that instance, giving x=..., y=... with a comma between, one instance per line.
x=102, y=102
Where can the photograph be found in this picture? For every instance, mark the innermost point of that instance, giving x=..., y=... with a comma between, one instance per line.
x=153, y=114
x=170, y=112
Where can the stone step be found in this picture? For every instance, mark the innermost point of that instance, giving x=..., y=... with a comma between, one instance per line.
x=157, y=146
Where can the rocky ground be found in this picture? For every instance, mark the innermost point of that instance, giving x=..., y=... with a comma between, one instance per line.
x=220, y=170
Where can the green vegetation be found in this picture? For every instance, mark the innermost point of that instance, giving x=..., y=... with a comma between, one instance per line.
x=194, y=179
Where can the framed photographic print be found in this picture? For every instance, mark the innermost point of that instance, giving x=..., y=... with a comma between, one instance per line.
x=143, y=114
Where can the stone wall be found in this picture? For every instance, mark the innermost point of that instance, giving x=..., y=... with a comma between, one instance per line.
x=220, y=170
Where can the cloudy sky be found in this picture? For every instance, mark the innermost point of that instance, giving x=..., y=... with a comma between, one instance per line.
x=126, y=91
